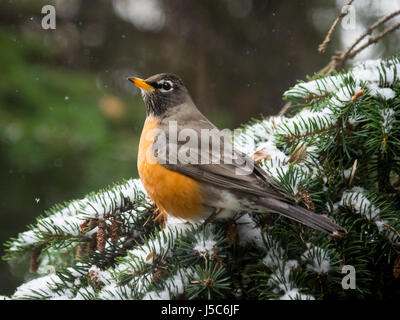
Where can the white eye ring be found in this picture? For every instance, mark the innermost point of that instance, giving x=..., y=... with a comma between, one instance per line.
x=165, y=85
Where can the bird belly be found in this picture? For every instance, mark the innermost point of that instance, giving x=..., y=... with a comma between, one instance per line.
x=172, y=192
x=221, y=198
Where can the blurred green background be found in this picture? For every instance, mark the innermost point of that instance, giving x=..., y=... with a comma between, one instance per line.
x=69, y=120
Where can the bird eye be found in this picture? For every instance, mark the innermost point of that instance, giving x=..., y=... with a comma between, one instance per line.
x=167, y=86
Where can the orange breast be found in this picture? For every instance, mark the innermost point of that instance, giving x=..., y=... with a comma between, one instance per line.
x=172, y=192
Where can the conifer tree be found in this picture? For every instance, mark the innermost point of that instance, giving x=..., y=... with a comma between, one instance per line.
x=337, y=153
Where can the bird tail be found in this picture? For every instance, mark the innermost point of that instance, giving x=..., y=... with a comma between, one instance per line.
x=303, y=216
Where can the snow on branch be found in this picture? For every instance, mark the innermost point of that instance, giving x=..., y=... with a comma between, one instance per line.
x=63, y=222
x=376, y=75
x=322, y=156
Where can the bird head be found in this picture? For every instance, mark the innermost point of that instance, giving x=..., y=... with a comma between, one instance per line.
x=161, y=92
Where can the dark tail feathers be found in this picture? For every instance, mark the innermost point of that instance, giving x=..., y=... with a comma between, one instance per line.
x=303, y=216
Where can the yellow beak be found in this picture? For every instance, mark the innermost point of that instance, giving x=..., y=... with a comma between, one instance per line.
x=140, y=83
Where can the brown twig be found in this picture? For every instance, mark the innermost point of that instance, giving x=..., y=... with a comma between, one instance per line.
x=343, y=13
x=367, y=32
x=35, y=258
x=299, y=153
x=391, y=228
x=338, y=60
x=284, y=109
x=311, y=97
x=373, y=40
x=212, y=216
x=307, y=134
x=329, y=67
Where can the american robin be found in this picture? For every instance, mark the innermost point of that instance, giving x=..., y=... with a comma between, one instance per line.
x=179, y=180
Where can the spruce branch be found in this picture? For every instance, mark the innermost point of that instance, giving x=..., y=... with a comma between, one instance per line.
x=339, y=129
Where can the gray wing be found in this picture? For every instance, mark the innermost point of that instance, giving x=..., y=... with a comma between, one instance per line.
x=226, y=167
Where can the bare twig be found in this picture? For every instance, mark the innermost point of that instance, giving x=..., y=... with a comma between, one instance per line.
x=338, y=60
x=284, y=109
x=373, y=40
x=369, y=30
x=391, y=228
x=307, y=134
x=343, y=13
